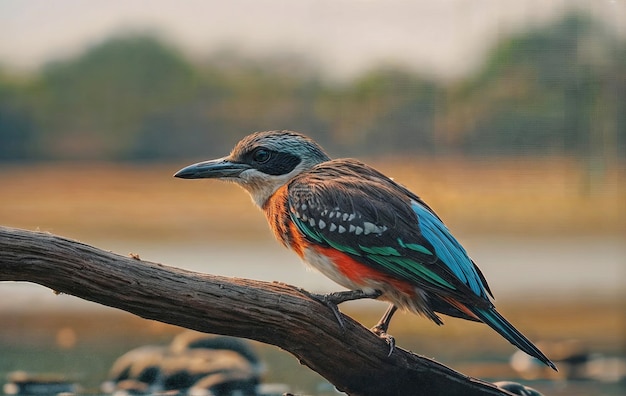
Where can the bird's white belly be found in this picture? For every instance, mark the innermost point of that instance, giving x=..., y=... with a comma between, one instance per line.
x=329, y=269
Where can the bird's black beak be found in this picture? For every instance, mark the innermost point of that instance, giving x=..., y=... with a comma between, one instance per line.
x=214, y=169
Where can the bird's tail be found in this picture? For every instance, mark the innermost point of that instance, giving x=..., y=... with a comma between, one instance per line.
x=497, y=322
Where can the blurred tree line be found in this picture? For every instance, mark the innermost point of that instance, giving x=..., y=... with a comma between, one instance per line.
x=557, y=90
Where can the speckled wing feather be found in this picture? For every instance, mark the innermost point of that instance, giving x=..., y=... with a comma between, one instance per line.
x=357, y=210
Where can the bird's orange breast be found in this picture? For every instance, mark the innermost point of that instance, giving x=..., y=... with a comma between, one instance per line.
x=277, y=213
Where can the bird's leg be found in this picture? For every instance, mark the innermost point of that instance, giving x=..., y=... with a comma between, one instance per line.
x=331, y=300
x=383, y=325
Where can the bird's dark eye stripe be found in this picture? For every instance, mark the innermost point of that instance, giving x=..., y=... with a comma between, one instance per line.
x=272, y=162
x=281, y=163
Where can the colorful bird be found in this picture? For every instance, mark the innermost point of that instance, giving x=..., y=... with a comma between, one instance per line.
x=361, y=229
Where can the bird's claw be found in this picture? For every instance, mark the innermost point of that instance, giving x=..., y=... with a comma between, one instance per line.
x=327, y=299
x=381, y=332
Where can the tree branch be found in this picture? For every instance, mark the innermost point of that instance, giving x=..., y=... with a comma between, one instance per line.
x=353, y=359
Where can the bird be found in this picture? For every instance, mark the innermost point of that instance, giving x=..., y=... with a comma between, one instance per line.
x=361, y=229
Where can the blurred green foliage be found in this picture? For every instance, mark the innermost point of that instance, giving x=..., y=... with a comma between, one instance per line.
x=560, y=89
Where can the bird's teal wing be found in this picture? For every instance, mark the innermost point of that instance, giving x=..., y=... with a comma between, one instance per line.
x=353, y=208
x=448, y=249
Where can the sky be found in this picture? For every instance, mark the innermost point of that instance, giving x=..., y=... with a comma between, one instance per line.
x=446, y=38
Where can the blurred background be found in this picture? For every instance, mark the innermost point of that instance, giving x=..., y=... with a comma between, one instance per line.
x=509, y=119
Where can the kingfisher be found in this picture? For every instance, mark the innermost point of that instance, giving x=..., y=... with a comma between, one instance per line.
x=362, y=230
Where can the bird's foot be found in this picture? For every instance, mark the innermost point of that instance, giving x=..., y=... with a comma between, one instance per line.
x=381, y=330
x=330, y=303
x=349, y=295
x=332, y=300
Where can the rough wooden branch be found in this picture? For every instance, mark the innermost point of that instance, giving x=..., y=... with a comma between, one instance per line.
x=353, y=359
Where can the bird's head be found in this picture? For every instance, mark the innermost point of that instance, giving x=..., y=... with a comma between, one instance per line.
x=261, y=162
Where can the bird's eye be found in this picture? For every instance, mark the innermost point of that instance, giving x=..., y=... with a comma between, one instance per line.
x=261, y=156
